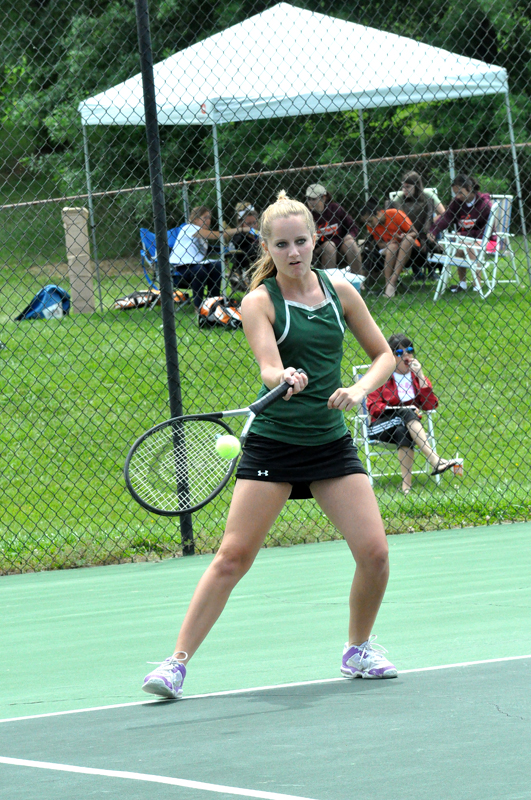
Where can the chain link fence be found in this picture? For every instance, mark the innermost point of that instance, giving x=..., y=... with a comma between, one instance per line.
x=254, y=97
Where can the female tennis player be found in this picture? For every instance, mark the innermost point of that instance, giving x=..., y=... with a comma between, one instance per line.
x=294, y=318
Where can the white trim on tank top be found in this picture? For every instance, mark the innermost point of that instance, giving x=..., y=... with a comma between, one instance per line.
x=328, y=299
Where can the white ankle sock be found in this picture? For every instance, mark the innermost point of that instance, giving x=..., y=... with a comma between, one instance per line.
x=462, y=284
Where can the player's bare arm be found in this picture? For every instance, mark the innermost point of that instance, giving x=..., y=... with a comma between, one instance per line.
x=371, y=339
x=258, y=316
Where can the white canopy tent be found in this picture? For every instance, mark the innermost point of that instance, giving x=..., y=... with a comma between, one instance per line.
x=287, y=61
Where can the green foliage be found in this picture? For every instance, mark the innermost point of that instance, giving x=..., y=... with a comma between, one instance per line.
x=58, y=53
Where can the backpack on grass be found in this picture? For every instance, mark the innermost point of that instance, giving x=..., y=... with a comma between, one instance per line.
x=219, y=312
x=52, y=302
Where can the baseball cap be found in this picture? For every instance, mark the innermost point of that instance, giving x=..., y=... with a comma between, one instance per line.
x=315, y=190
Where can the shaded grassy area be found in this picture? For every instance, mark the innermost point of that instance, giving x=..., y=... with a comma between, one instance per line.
x=76, y=392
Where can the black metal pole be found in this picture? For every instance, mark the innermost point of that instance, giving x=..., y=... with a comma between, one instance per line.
x=161, y=228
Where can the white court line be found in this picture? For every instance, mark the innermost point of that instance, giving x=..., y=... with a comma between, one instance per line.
x=257, y=689
x=139, y=776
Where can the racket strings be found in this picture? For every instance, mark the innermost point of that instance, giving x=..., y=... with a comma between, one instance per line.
x=177, y=467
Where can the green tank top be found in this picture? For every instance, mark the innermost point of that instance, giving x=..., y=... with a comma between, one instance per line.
x=308, y=338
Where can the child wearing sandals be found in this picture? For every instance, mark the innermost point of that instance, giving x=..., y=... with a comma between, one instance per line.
x=395, y=411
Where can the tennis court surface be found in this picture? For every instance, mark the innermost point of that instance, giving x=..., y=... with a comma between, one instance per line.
x=265, y=713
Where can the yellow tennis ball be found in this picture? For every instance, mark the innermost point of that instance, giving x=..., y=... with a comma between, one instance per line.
x=228, y=446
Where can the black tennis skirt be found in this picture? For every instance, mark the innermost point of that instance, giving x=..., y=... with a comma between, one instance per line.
x=268, y=460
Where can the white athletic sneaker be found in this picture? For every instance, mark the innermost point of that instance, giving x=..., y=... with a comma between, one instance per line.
x=167, y=679
x=366, y=660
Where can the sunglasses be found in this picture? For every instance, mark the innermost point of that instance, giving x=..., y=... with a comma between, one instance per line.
x=401, y=350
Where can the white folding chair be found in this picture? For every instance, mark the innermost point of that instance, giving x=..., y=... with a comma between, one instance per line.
x=486, y=252
x=503, y=248
x=374, y=450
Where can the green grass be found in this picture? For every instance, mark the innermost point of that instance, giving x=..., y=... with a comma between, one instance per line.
x=74, y=393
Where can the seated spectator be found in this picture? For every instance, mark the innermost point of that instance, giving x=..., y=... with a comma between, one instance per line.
x=336, y=230
x=407, y=386
x=469, y=211
x=188, y=255
x=418, y=206
x=396, y=238
x=245, y=243
x=420, y=209
x=411, y=183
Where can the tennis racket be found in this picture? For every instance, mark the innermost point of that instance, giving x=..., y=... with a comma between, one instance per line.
x=174, y=468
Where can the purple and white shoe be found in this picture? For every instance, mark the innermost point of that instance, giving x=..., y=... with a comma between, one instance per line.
x=366, y=660
x=167, y=679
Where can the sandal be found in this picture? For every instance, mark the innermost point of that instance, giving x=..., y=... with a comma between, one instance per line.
x=443, y=465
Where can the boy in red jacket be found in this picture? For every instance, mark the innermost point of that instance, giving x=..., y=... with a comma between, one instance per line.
x=395, y=411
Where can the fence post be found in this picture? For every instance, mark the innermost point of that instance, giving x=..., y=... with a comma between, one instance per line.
x=161, y=229
x=91, y=215
x=363, y=155
x=186, y=202
x=451, y=165
x=79, y=264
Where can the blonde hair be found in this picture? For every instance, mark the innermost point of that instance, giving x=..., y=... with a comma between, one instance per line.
x=283, y=208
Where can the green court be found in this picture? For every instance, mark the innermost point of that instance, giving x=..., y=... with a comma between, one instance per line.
x=265, y=712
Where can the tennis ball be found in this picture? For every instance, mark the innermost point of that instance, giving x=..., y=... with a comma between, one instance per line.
x=228, y=446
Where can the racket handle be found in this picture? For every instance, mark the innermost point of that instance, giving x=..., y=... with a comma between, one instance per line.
x=279, y=391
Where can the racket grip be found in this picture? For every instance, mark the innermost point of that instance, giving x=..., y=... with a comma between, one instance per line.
x=264, y=402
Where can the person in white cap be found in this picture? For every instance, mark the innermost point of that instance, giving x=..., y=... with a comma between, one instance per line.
x=336, y=230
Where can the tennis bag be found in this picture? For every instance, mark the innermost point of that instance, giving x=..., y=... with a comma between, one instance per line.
x=147, y=297
x=220, y=312
x=50, y=303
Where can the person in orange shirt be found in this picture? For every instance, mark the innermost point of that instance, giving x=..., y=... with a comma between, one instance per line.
x=395, y=235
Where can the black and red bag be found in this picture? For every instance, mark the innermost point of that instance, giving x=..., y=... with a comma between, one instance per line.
x=219, y=312
x=147, y=297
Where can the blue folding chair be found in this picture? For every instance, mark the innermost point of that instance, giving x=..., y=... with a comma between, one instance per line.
x=148, y=253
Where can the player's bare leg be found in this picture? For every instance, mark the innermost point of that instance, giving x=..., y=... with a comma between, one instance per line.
x=350, y=504
x=254, y=508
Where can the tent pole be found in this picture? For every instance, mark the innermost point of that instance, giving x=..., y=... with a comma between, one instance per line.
x=91, y=213
x=363, y=155
x=219, y=203
x=518, y=185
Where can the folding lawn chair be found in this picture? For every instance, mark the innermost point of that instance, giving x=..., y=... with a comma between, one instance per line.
x=494, y=244
x=372, y=449
x=502, y=224
x=148, y=253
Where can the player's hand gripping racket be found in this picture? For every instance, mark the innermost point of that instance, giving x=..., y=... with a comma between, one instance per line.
x=175, y=468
